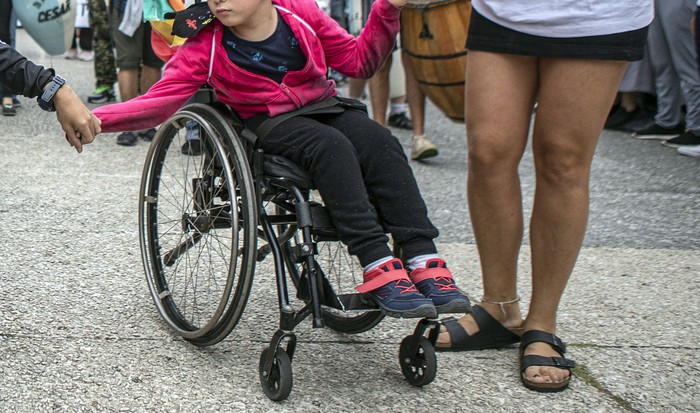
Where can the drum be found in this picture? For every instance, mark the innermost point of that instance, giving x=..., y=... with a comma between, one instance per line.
x=433, y=34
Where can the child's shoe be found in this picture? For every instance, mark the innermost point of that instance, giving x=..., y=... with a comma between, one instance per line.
x=392, y=290
x=435, y=281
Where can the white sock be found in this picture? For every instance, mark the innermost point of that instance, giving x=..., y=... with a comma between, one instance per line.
x=420, y=261
x=374, y=265
x=398, y=108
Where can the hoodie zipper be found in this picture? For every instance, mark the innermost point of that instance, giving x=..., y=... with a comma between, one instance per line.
x=290, y=95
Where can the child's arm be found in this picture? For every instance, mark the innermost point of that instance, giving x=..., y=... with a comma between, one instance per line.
x=181, y=79
x=361, y=57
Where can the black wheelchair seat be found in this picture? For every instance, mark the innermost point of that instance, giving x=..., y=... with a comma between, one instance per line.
x=281, y=167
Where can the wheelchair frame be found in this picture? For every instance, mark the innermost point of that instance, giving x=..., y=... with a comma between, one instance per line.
x=225, y=206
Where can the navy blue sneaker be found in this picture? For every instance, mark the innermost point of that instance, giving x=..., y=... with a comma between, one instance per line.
x=436, y=282
x=390, y=288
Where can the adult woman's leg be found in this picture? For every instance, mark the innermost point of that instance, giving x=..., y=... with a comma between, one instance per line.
x=500, y=95
x=574, y=97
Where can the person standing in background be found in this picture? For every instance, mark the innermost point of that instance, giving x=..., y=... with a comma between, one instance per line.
x=105, y=66
x=566, y=57
x=694, y=150
x=8, y=24
x=138, y=66
x=674, y=60
x=81, y=47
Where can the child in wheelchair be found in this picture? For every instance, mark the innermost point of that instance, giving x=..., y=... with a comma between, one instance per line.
x=268, y=59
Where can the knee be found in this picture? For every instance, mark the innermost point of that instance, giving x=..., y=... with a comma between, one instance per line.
x=486, y=159
x=333, y=148
x=565, y=169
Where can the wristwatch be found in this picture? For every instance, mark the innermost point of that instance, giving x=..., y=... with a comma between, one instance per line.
x=46, y=99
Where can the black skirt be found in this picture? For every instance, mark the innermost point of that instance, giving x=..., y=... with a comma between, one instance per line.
x=488, y=36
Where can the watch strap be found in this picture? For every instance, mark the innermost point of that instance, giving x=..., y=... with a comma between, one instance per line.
x=46, y=99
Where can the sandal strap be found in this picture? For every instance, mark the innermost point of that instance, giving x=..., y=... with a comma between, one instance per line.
x=455, y=330
x=535, y=360
x=534, y=336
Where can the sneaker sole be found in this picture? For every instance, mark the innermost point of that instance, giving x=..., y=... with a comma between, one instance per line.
x=455, y=306
x=429, y=153
x=654, y=137
x=670, y=145
x=676, y=145
x=423, y=311
x=689, y=153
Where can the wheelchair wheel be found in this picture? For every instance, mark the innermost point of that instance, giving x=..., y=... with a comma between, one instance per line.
x=197, y=225
x=418, y=368
x=278, y=384
x=343, y=271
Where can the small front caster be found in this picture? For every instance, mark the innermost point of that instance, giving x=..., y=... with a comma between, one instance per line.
x=418, y=360
x=277, y=383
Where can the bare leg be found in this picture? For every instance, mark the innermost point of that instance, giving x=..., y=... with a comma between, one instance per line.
x=496, y=145
x=379, y=92
x=628, y=100
x=128, y=80
x=414, y=96
x=149, y=76
x=569, y=120
x=356, y=88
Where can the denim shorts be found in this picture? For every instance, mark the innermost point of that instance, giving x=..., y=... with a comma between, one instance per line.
x=485, y=35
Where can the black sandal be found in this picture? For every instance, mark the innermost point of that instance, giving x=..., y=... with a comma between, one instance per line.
x=534, y=336
x=491, y=333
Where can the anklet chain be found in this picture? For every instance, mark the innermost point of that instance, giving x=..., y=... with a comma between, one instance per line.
x=501, y=304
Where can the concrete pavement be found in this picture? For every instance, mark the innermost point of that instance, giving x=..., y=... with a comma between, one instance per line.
x=79, y=332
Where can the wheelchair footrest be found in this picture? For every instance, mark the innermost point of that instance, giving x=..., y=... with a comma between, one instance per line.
x=355, y=302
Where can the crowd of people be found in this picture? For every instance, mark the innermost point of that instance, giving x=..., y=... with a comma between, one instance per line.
x=659, y=96
x=538, y=71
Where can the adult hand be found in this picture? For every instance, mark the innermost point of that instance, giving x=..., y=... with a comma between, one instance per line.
x=398, y=3
x=80, y=125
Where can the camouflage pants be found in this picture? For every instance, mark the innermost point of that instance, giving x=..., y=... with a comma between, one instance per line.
x=105, y=68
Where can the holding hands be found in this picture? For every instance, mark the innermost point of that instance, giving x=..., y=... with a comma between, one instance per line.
x=80, y=125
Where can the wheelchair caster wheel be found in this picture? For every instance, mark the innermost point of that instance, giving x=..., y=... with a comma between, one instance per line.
x=278, y=383
x=419, y=366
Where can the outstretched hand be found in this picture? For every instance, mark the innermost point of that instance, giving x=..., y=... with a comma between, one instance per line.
x=80, y=125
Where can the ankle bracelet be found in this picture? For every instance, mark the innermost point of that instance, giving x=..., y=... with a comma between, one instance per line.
x=501, y=304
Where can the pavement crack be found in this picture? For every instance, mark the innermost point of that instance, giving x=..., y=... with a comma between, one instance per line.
x=582, y=373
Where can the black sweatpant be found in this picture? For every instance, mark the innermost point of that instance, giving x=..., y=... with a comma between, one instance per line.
x=353, y=159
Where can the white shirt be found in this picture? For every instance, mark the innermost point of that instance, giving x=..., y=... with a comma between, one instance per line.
x=568, y=18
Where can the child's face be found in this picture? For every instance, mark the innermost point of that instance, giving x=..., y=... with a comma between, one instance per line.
x=235, y=12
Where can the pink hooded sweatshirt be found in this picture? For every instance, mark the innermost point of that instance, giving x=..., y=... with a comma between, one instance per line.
x=202, y=59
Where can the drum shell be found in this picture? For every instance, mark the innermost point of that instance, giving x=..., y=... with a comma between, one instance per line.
x=433, y=35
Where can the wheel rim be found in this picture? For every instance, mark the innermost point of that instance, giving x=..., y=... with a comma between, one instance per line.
x=190, y=201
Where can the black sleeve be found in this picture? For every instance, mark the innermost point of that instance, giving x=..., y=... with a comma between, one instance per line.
x=21, y=75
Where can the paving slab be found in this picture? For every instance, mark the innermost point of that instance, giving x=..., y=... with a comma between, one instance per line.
x=79, y=331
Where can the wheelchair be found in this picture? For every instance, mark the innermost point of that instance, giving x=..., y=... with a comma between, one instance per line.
x=206, y=219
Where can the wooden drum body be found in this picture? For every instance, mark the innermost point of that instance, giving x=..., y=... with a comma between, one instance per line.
x=433, y=34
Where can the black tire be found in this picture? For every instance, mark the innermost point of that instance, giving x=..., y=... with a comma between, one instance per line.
x=197, y=226
x=344, y=272
x=278, y=385
x=418, y=368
